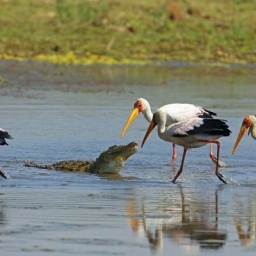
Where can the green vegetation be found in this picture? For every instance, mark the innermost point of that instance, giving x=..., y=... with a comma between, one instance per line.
x=128, y=31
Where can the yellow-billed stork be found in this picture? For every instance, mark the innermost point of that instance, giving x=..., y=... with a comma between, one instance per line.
x=190, y=133
x=174, y=113
x=248, y=122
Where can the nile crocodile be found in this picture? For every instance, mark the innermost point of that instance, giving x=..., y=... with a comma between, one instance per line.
x=110, y=161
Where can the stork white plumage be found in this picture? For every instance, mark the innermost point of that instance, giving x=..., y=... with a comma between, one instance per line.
x=248, y=122
x=4, y=135
x=190, y=133
x=174, y=113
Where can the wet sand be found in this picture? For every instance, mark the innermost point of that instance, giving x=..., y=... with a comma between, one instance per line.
x=60, y=117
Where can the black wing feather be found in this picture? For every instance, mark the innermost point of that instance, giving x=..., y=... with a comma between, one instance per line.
x=212, y=127
x=4, y=135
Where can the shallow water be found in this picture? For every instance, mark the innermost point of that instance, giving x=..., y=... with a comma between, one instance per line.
x=142, y=213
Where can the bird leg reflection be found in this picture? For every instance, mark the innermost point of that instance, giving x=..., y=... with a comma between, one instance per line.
x=155, y=240
x=245, y=221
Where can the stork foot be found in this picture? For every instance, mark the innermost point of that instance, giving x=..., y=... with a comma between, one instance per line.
x=221, y=177
x=214, y=160
x=175, y=177
x=4, y=174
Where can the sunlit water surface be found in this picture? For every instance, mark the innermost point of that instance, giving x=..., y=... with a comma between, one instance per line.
x=47, y=212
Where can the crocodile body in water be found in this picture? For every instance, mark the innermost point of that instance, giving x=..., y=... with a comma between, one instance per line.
x=111, y=160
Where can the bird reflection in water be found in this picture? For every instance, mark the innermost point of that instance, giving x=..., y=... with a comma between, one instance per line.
x=138, y=222
x=2, y=211
x=246, y=221
x=187, y=223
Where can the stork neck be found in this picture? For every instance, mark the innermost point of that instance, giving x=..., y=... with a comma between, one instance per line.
x=252, y=129
x=148, y=114
x=161, y=129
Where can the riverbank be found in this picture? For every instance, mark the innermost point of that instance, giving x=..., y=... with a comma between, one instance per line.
x=128, y=32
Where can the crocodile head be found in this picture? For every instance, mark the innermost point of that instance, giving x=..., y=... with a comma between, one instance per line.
x=113, y=159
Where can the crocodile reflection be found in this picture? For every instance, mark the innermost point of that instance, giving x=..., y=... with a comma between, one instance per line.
x=191, y=224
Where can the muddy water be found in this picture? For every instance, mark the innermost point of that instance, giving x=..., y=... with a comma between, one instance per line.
x=56, y=113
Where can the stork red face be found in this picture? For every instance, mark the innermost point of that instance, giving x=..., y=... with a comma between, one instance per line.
x=135, y=112
x=245, y=125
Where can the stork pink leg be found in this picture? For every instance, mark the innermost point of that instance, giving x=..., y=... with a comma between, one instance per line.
x=174, y=154
x=214, y=158
x=217, y=172
x=181, y=166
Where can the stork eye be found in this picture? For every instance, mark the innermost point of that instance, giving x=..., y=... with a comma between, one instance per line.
x=138, y=105
x=246, y=122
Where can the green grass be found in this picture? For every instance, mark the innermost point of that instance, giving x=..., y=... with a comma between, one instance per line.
x=128, y=31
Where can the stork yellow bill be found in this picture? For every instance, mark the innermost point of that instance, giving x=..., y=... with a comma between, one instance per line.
x=129, y=121
x=248, y=122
